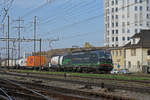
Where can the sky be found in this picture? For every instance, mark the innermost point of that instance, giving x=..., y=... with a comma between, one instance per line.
x=74, y=22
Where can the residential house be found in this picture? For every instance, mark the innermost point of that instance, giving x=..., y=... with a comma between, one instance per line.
x=138, y=52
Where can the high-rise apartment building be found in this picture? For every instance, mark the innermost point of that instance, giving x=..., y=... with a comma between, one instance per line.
x=124, y=18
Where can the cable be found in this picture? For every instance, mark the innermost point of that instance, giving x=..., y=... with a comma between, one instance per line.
x=87, y=10
x=79, y=35
x=54, y=15
x=36, y=9
x=6, y=11
x=91, y=18
x=88, y=19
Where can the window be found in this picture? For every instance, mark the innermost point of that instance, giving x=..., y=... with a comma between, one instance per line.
x=148, y=9
x=112, y=31
x=135, y=8
x=141, y=8
x=128, y=31
x=116, y=16
x=112, y=3
x=148, y=52
x=116, y=24
x=141, y=1
x=133, y=52
x=148, y=16
x=148, y=24
x=116, y=2
x=112, y=10
x=116, y=9
x=123, y=38
x=113, y=39
x=116, y=31
x=128, y=38
x=112, y=24
x=129, y=64
x=116, y=38
x=112, y=17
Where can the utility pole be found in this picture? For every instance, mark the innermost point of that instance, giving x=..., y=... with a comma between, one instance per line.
x=40, y=51
x=19, y=27
x=4, y=36
x=34, y=38
x=8, y=41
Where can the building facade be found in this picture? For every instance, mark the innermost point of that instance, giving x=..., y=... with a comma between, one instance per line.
x=137, y=59
x=124, y=18
x=138, y=52
x=118, y=57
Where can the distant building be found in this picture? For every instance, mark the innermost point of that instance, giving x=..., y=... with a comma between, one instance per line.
x=138, y=52
x=123, y=19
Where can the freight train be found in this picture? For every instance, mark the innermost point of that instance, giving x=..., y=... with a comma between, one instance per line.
x=87, y=61
x=30, y=62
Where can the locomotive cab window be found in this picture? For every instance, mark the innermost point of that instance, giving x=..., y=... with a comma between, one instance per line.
x=101, y=54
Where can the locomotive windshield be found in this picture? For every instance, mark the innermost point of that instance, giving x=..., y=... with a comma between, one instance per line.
x=104, y=54
x=101, y=54
x=108, y=55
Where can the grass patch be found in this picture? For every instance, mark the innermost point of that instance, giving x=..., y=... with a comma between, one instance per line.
x=107, y=76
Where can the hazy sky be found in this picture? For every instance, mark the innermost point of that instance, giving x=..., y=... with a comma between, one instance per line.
x=73, y=21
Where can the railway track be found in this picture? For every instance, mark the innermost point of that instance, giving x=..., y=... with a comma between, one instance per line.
x=109, y=86
x=131, y=81
x=12, y=90
x=16, y=90
x=75, y=92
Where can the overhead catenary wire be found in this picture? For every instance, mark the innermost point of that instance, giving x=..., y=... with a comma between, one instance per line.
x=54, y=18
x=6, y=11
x=49, y=18
x=88, y=19
x=79, y=35
x=81, y=22
x=62, y=5
x=37, y=8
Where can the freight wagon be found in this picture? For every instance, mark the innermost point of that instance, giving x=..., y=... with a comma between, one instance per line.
x=88, y=61
x=30, y=62
x=35, y=61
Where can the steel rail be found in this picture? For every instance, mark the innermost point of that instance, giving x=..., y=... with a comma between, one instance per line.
x=112, y=86
x=7, y=96
x=92, y=77
x=13, y=83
